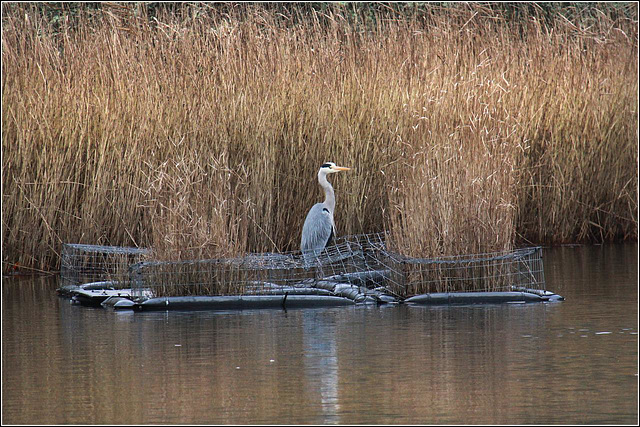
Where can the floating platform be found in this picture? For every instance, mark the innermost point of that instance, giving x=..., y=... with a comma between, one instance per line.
x=483, y=297
x=94, y=294
x=91, y=295
x=356, y=270
x=243, y=302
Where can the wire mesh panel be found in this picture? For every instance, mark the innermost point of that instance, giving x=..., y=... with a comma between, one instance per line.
x=404, y=276
x=81, y=264
x=252, y=274
x=517, y=269
x=364, y=261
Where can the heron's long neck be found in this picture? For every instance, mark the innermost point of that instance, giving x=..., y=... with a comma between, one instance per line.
x=329, y=196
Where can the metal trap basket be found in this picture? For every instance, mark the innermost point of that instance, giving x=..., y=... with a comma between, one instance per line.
x=361, y=261
x=358, y=260
x=518, y=269
x=253, y=274
x=82, y=264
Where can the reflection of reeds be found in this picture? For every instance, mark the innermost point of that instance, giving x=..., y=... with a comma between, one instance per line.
x=200, y=134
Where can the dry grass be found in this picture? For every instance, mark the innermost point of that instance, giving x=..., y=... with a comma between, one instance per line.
x=200, y=134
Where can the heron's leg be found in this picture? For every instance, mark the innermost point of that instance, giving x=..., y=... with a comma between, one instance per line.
x=319, y=269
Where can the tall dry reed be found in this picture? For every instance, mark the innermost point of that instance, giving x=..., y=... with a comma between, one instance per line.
x=200, y=133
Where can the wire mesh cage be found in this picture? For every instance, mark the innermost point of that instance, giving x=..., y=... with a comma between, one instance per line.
x=260, y=273
x=518, y=269
x=82, y=264
x=359, y=260
x=362, y=261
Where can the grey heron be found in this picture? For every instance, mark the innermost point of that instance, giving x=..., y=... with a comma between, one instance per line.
x=319, y=228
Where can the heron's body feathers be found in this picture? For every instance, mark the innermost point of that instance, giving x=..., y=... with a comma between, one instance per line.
x=318, y=229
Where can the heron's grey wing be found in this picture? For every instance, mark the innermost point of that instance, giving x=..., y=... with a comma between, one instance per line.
x=317, y=229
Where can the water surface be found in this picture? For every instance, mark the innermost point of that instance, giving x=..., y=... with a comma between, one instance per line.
x=569, y=362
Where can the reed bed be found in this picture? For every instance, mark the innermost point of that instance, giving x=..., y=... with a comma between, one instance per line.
x=199, y=133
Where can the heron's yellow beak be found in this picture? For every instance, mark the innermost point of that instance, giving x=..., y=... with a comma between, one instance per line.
x=340, y=168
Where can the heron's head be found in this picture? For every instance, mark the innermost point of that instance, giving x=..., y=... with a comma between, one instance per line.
x=331, y=167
